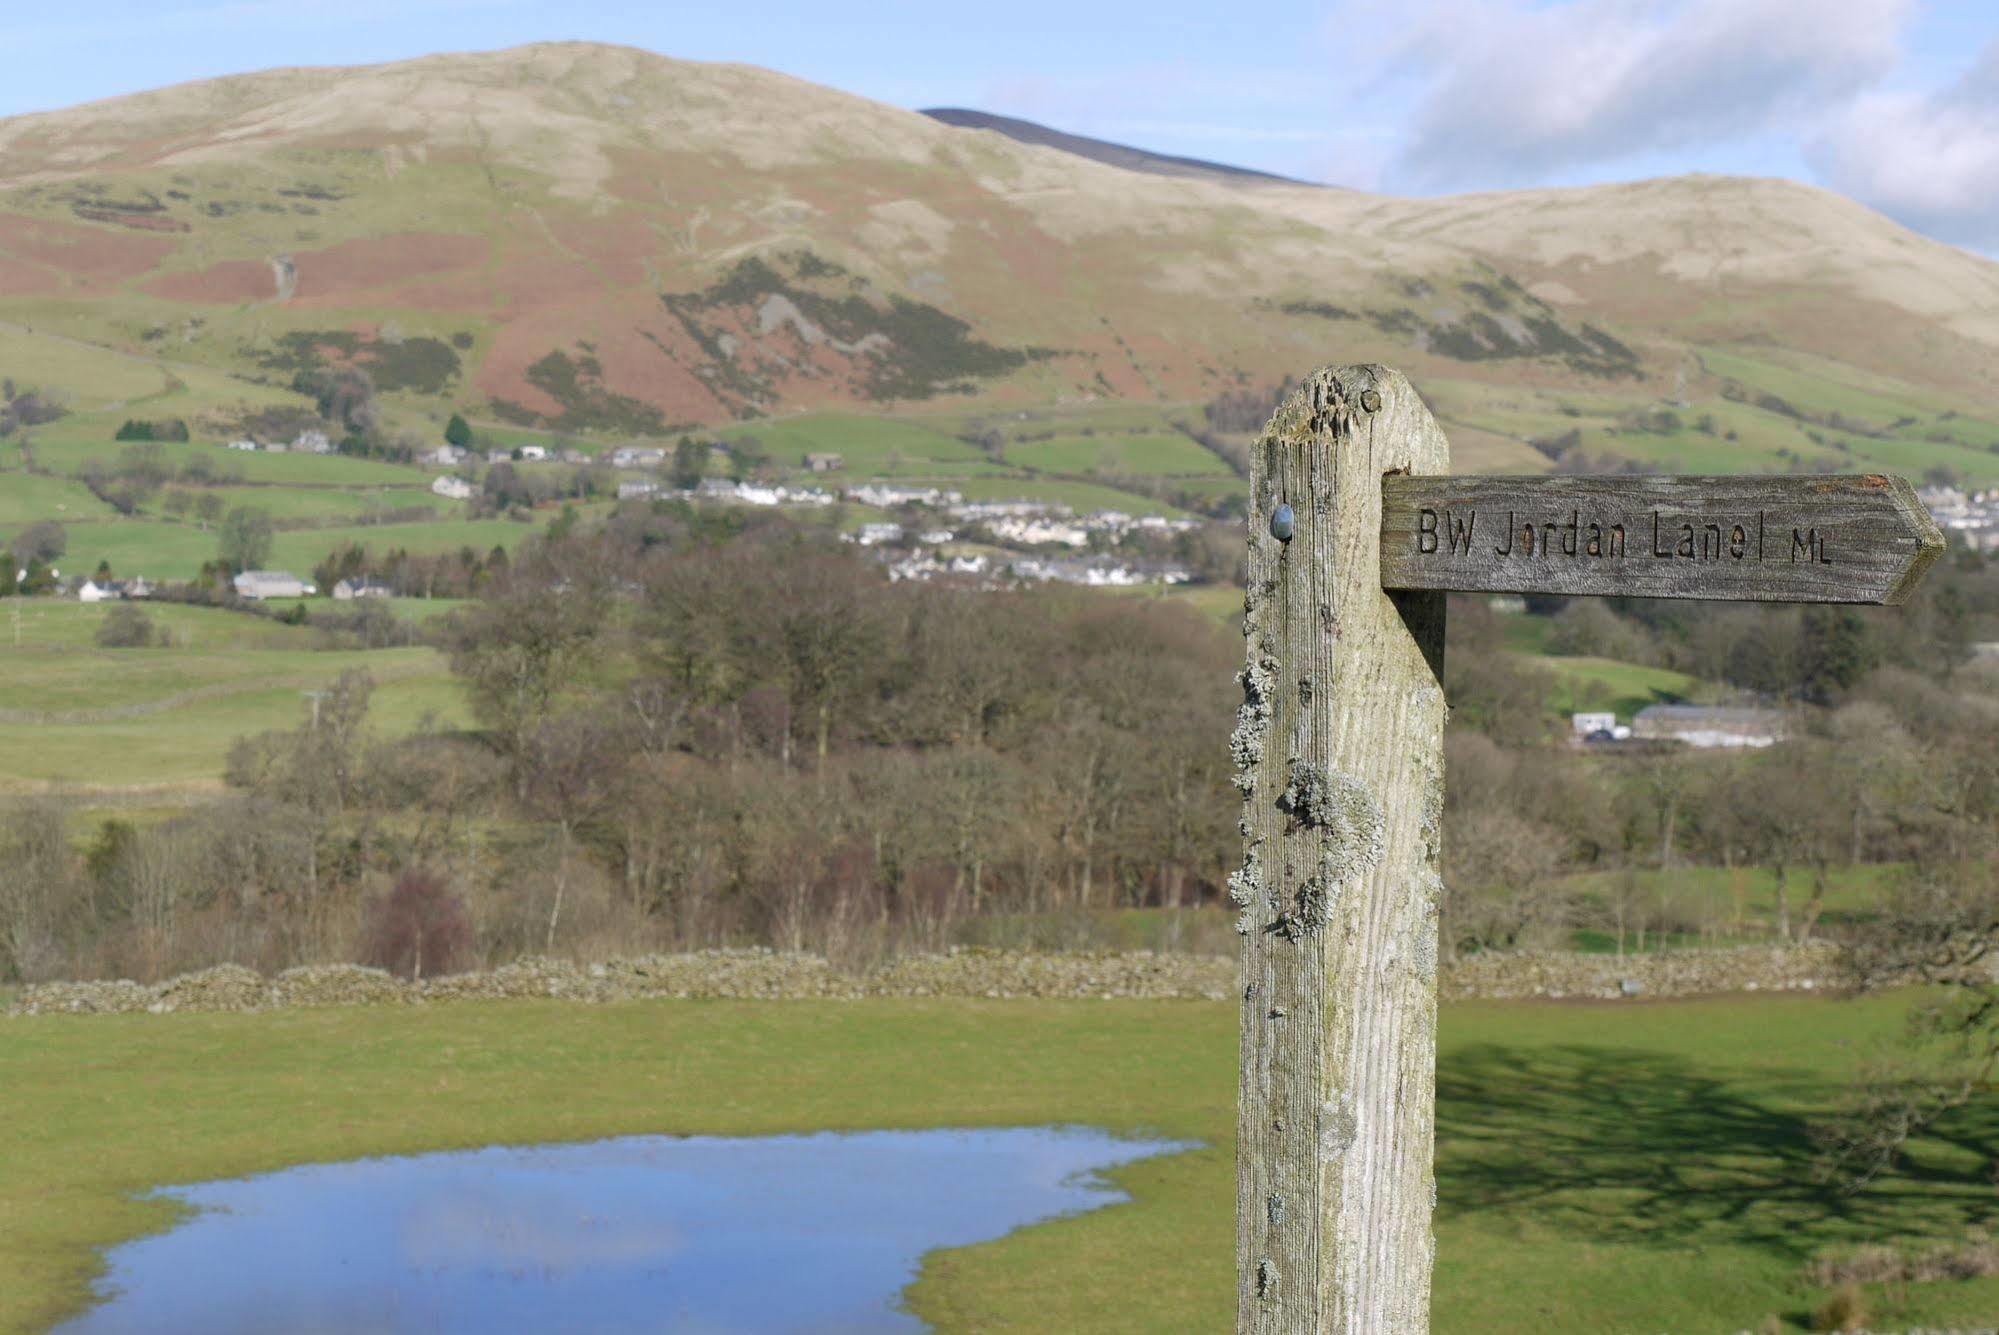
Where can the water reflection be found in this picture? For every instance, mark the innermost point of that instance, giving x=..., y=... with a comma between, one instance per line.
x=701, y=1235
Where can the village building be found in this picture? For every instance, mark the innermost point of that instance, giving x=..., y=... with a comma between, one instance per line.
x=637, y=490
x=348, y=589
x=873, y=535
x=825, y=463
x=112, y=590
x=1708, y=726
x=455, y=488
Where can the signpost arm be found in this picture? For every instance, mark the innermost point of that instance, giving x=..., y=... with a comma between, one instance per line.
x=1339, y=754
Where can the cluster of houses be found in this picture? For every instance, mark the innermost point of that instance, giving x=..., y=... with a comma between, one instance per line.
x=998, y=570
x=453, y=456
x=1973, y=516
x=722, y=489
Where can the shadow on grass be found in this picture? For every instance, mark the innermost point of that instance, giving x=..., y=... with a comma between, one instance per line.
x=1646, y=1148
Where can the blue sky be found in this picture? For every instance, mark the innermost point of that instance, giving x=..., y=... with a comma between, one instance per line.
x=1895, y=102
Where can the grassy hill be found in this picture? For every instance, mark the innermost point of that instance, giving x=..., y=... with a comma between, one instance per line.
x=605, y=242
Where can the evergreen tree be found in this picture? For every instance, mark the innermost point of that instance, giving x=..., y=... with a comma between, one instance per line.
x=690, y=460
x=458, y=432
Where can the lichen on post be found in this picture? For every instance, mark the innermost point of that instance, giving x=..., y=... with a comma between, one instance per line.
x=1339, y=754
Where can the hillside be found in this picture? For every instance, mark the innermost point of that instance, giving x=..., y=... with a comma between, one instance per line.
x=594, y=239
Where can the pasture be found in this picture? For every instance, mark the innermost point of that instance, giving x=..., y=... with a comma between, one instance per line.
x=111, y=718
x=1628, y=1167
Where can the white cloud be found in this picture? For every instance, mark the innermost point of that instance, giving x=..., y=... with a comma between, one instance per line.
x=1515, y=91
x=1929, y=159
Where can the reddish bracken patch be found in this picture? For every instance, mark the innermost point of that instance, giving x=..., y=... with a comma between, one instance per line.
x=619, y=246
x=88, y=252
x=633, y=364
x=329, y=277
x=21, y=279
x=230, y=282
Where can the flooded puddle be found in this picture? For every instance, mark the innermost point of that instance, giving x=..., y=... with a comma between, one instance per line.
x=701, y=1235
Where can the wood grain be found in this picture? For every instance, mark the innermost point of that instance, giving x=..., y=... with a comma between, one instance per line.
x=1339, y=754
x=1848, y=539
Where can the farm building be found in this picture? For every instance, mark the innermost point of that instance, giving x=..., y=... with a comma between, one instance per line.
x=348, y=589
x=270, y=584
x=1708, y=725
x=825, y=463
x=454, y=488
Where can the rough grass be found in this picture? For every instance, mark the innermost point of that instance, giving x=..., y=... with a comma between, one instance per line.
x=1628, y=1167
x=1742, y=898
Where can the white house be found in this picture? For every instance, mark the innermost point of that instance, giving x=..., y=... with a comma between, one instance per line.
x=632, y=491
x=261, y=584
x=250, y=445
x=90, y=591
x=348, y=589
x=1585, y=724
x=312, y=441
x=455, y=488
x=448, y=456
x=535, y=453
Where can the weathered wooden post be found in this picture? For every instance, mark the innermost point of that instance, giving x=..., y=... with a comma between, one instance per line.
x=1339, y=751
x=1357, y=532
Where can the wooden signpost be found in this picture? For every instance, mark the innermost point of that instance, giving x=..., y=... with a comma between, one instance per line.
x=1357, y=532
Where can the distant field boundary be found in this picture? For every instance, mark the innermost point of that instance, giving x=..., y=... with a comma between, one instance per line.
x=756, y=974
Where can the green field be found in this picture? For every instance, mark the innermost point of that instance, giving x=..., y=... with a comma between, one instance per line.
x=29, y=498
x=1637, y=1167
x=1154, y=453
x=867, y=445
x=1586, y=683
x=176, y=551
x=66, y=446
x=98, y=718
x=333, y=504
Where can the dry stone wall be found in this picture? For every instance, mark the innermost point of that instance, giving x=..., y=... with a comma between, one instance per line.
x=1675, y=973
x=774, y=975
